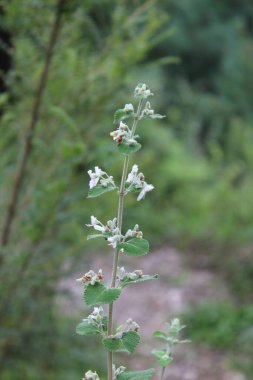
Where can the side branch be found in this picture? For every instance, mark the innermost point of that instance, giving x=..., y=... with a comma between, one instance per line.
x=19, y=178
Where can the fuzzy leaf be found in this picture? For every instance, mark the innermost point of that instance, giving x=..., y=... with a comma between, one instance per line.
x=126, y=281
x=128, y=148
x=130, y=340
x=120, y=114
x=160, y=334
x=99, y=190
x=99, y=294
x=162, y=357
x=137, y=375
x=154, y=116
x=135, y=247
x=112, y=344
x=86, y=328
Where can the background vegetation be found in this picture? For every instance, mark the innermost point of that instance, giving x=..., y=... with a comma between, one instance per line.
x=197, y=57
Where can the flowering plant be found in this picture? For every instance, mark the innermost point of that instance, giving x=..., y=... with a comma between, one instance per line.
x=131, y=243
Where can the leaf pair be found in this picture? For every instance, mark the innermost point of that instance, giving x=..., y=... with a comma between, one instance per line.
x=128, y=342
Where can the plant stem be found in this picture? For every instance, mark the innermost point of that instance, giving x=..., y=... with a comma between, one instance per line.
x=117, y=251
x=162, y=373
x=28, y=144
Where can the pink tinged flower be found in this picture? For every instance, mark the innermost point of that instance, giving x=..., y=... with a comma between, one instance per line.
x=145, y=190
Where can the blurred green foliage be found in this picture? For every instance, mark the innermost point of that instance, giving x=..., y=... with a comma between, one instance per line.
x=224, y=326
x=200, y=158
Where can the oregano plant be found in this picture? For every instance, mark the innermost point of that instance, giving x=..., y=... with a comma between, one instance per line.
x=97, y=293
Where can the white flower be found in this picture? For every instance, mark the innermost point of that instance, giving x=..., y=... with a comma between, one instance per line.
x=114, y=240
x=132, y=176
x=129, y=107
x=142, y=91
x=96, y=224
x=99, y=176
x=106, y=181
x=91, y=376
x=95, y=176
x=91, y=277
x=145, y=190
x=117, y=371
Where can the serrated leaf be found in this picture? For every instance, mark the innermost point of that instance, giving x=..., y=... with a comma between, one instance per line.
x=86, y=328
x=137, y=375
x=99, y=294
x=126, y=281
x=112, y=344
x=127, y=149
x=135, y=247
x=120, y=114
x=99, y=190
x=130, y=340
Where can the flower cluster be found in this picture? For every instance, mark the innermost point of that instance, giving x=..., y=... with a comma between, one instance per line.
x=110, y=231
x=147, y=111
x=135, y=232
x=117, y=371
x=136, y=181
x=121, y=274
x=123, y=134
x=100, y=177
x=91, y=278
x=129, y=108
x=90, y=376
x=142, y=91
x=129, y=325
x=96, y=317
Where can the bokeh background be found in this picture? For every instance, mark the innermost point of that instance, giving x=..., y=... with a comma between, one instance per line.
x=197, y=57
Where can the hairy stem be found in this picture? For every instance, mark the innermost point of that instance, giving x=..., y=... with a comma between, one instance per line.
x=117, y=251
x=162, y=373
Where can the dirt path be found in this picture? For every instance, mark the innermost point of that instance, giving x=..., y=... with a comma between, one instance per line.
x=153, y=303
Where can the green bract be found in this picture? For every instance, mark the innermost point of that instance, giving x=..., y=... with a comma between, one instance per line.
x=126, y=281
x=127, y=149
x=99, y=294
x=135, y=247
x=137, y=375
x=99, y=190
x=128, y=342
x=121, y=114
x=86, y=328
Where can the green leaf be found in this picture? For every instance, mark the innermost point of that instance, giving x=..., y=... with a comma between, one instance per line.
x=126, y=281
x=94, y=236
x=162, y=357
x=120, y=114
x=99, y=190
x=135, y=247
x=137, y=375
x=130, y=340
x=86, y=328
x=128, y=148
x=99, y=294
x=112, y=344
x=160, y=334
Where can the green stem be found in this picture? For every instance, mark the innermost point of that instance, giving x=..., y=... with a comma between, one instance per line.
x=162, y=373
x=116, y=254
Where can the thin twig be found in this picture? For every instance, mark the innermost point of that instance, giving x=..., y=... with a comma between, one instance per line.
x=28, y=144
